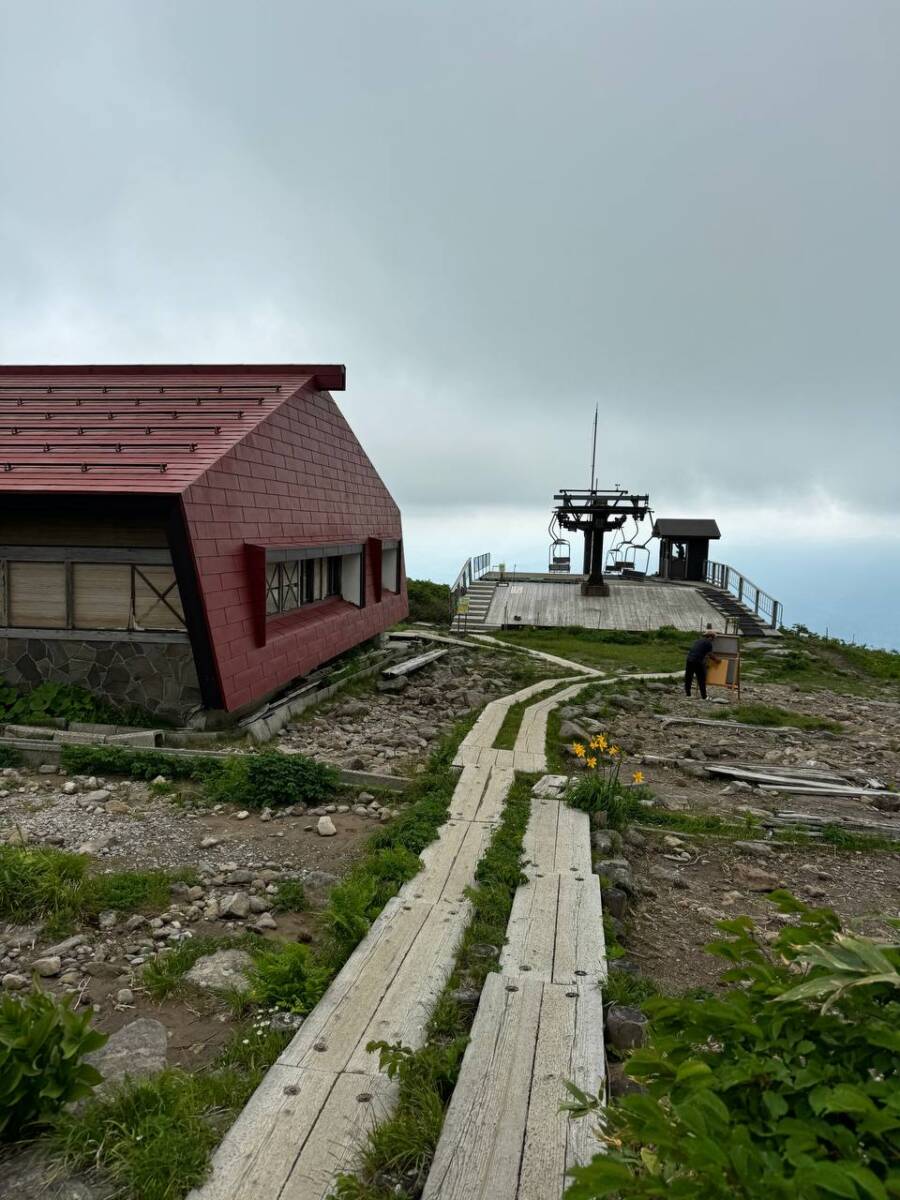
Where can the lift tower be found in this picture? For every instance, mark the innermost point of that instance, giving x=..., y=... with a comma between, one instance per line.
x=595, y=511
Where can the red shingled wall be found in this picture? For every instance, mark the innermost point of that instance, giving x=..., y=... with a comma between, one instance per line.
x=300, y=479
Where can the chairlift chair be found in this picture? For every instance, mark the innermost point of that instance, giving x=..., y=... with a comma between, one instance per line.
x=560, y=557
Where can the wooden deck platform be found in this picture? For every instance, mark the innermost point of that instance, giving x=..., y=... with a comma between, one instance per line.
x=631, y=605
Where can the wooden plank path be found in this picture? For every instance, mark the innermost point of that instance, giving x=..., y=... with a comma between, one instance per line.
x=539, y=1023
x=309, y=1118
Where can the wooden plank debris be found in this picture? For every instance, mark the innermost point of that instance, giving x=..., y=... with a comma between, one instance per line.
x=413, y=664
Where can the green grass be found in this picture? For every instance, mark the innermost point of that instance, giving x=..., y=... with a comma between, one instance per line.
x=817, y=663
x=607, y=650
x=40, y=883
x=772, y=716
x=623, y=987
x=164, y=976
x=399, y=1151
x=838, y=839
x=291, y=896
x=512, y=722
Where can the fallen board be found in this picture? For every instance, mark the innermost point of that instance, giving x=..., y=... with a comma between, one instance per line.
x=413, y=664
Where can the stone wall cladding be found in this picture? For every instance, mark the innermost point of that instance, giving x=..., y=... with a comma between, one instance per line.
x=157, y=676
x=301, y=478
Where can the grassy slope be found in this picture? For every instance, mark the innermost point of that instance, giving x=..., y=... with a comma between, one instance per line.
x=610, y=651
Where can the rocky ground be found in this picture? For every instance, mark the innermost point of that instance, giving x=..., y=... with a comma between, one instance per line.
x=391, y=728
x=676, y=886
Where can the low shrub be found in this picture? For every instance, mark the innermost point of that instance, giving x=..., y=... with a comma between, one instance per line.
x=784, y=1085
x=271, y=779
x=42, y=1068
x=773, y=717
x=289, y=977
x=137, y=764
x=10, y=757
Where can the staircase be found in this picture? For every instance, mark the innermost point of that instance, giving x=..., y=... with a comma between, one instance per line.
x=479, y=595
x=726, y=604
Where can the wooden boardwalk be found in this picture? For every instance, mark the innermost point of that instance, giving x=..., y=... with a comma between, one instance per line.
x=309, y=1118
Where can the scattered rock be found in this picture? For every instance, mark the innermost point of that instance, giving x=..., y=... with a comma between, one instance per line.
x=237, y=904
x=264, y=921
x=48, y=966
x=618, y=1082
x=759, y=849
x=242, y=815
x=618, y=872
x=136, y=1050
x=208, y=842
x=124, y=996
x=625, y=1027
x=223, y=971
x=753, y=878
x=325, y=826
x=615, y=902
x=13, y=982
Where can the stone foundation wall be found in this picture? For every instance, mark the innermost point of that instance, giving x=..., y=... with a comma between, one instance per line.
x=158, y=675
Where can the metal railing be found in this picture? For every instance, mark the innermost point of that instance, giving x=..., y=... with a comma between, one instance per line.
x=472, y=569
x=760, y=603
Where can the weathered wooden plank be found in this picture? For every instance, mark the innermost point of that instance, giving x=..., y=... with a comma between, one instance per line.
x=355, y=1104
x=555, y=930
x=479, y=1154
x=413, y=664
x=469, y=790
x=407, y=1004
x=261, y=1148
x=450, y=863
x=557, y=839
x=569, y=1047
x=334, y=1028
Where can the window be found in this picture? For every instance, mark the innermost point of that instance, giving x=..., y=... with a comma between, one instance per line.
x=390, y=566
x=295, y=582
x=86, y=595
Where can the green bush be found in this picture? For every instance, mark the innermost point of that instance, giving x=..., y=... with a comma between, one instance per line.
x=138, y=764
x=271, y=779
x=10, y=757
x=783, y=1086
x=428, y=602
x=289, y=977
x=42, y=1047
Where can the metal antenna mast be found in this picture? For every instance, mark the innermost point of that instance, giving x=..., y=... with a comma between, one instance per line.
x=594, y=449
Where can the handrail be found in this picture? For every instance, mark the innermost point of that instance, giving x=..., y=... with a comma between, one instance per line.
x=472, y=569
x=725, y=577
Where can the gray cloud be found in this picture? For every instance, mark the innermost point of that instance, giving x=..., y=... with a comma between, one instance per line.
x=496, y=214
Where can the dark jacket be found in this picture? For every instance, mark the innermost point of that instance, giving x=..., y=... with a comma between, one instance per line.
x=700, y=650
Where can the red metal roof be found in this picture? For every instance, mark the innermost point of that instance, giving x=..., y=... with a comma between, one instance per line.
x=138, y=429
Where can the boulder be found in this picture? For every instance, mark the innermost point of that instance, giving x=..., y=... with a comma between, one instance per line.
x=325, y=827
x=136, y=1050
x=615, y=902
x=618, y=872
x=223, y=971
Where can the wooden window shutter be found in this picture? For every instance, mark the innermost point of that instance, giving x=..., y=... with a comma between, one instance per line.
x=102, y=595
x=37, y=595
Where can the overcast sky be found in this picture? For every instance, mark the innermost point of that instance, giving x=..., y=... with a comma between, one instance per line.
x=496, y=214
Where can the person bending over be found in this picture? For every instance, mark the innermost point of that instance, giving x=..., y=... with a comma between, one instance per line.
x=695, y=667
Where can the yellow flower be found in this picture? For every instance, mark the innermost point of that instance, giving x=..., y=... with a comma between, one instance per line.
x=613, y=751
x=637, y=777
x=578, y=749
x=602, y=743
x=592, y=762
